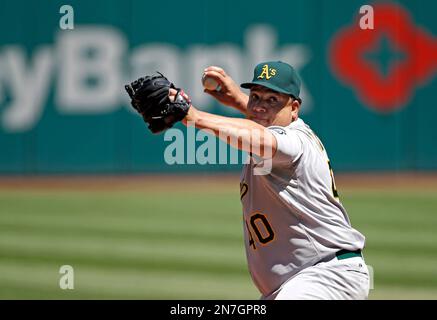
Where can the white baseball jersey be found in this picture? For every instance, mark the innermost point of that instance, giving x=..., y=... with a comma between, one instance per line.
x=292, y=216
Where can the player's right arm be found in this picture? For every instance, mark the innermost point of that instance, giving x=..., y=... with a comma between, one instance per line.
x=230, y=93
x=243, y=134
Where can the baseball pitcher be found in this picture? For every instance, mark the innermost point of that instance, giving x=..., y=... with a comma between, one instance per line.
x=299, y=241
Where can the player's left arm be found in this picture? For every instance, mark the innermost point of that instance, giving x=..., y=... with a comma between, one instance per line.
x=242, y=134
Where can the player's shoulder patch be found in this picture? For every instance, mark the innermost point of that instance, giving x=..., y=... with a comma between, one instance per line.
x=278, y=130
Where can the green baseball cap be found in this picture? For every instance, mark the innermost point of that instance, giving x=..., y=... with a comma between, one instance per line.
x=277, y=76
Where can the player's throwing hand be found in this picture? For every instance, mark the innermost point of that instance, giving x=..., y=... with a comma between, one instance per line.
x=229, y=93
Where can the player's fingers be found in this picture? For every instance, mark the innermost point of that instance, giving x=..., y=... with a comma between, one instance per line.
x=172, y=94
x=216, y=76
x=216, y=69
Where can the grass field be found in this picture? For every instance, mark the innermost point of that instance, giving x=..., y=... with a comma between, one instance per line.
x=186, y=243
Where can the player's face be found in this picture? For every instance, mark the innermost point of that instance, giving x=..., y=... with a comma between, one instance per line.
x=267, y=107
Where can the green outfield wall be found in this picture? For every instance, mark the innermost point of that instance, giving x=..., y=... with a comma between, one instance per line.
x=370, y=94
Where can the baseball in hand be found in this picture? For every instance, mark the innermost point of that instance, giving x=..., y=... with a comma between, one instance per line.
x=209, y=83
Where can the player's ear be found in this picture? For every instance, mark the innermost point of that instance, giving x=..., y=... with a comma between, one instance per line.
x=295, y=106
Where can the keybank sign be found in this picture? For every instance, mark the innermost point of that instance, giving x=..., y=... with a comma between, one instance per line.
x=87, y=68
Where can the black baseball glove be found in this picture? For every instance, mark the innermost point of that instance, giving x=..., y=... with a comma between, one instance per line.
x=150, y=98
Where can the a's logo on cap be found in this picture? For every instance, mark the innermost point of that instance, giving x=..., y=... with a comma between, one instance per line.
x=267, y=72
